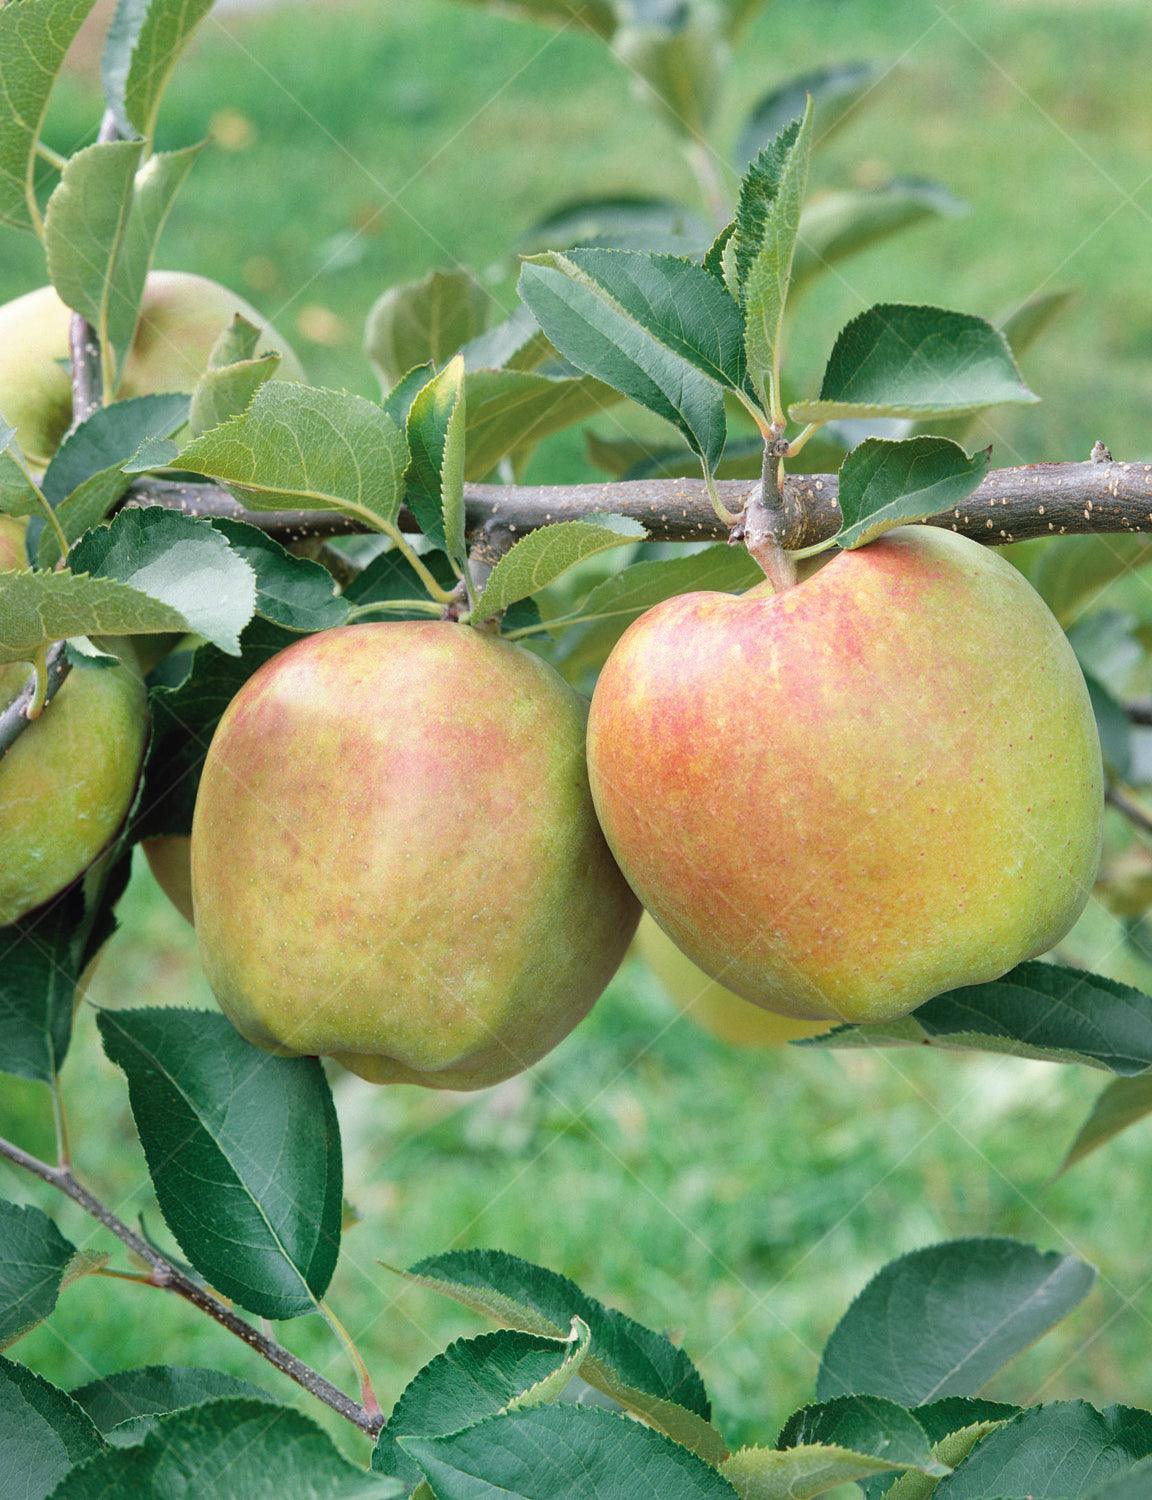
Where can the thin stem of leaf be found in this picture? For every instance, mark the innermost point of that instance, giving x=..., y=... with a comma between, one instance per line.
x=53, y=158
x=814, y=551
x=368, y=1397
x=763, y=423
x=396, y=607
x=801, y=438
x=43, y=502
x=728, y=517
x=40, y=691
x=60, y=1119
x=416, y=563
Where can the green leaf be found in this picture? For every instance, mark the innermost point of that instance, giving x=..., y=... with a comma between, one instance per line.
x=642, y=1370
x=244, y=1152
x=237, y=343
x=1026, y=323
x=885, y=483
x=1072, y=572
x=228, y=1449
x=159, y=33
x=681, y=57
x=43, y=1433
x=85, y=478
x=834, y=91
x=1063, y=1450
x=764, y=242
x=473, y=1379
x=300, y=447
x=517, y=343
x=398, y=402
x=33, y=1258
x=294, y=592
x=598, y=16
x=834, y=226
x=1125, y=1102
x=975, y=1304
x=435, y=494
x=622, y=223
x=1038, y=1010
x=510, y=411
x=797, y=1473
x=865, y=1424
x=125, y=1406
x=391, y=576
x=101, y=228
x=18, y=496
x=582, y=1453
x=954, y=1414
x=1132, y=1484
x=953, y=1442
x=424, y=322
x=628, y=350
x=226, y=390
x=34, y=37
x=635, y=589
x=900, y=361
x=1113, y=726
x=183, y=562
x=39, y=608
x=542, y=555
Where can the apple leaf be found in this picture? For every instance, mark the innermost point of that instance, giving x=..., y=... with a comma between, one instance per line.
x=1027, y=322
x=291, y=591
x=642, y=1370
x=473, y=1379
x=865, y=1424
x=515, y=343
x=627, y=327
x=580, y=1452
x=900, y=361
x=975, y=1304
x=436, y=428
x=1131, y=1484
x=39, y=608
x=144, y=43
x=224, y=391
x=300, y=447
x=835, y=92
x=101, y=228
x=1064, y=1448
x=33, y=1258
x=213, y=1112
x=621, y=223
x=238, y=342
x=1038, y=1010
x=836, y=225
x=510, y=411
x=176, y=560
x=885, y=483
x=625, y=595
x=764, y=243
x=797, y=1473
x=34, y=37
x=680, y=52
x=536, y=559
x=1124, y=1102
x=424, y=322
x=231, y=1448
x=398, y=402
x=43, y=1433
x=18, y=495
x=598, y=16
x=125, y=1406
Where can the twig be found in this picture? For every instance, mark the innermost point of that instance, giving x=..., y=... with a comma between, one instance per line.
x=763, y=525
x=1138, y=816
x=14, y=719
x=170, y=1278
x=1140, y=712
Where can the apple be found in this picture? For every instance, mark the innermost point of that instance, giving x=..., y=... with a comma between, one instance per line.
x=13, y=553
x=844, y=798
x=67, y=781
x=709, y=1005
x=170, y=860
x=181, y=318
x=395, y=857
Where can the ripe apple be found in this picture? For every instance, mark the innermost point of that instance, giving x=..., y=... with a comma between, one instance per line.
x=13, y=553
x=170, y=860
x=709, y=1005
x=845, y=798
x=181, y=318
x=396, y=861
x=67, y=782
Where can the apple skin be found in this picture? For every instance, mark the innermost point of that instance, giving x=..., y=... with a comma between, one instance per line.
x=67, y=782
x=169, y=858
x=396, y=861
x=13, y=552
x=843, y=799
x=181, y=318
x=709, y=1005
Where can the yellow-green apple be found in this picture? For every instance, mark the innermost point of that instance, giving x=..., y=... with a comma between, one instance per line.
x=708, y=1004
x=395, y=857
x=13, y=553
x=181, y=318
x=169, y=858
x=844, y=798
x=67, y=781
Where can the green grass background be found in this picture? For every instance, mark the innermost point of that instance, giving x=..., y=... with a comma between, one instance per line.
x=739, y=1199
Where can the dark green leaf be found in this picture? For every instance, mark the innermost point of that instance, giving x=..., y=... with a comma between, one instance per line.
x=579, y=1452
x=1114, y=728
x=901, y=361
x=425, y=321
x=1061, y=1451
x=294, y=592
x=390, y=576
x=863, y=1424
x=541, y=556
x=40, y=960
x=33, y=1257
x=1125, y=1102
x=244, y=1152
x=125, y=1406
x=975, y=1304
x=398, y=402
x=43, y=1433
x=435, y=493
x=885, y=484
x=954, y=1413
x=1134, y=1484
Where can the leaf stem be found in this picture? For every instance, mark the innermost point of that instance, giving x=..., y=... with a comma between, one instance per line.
x=54, y=158
x=60, y=1119
x=728, y=517
x=397, y=606
x=799, y=441
x=170, y=1278
x=367, y=1392
x=416, y=563
x=814, y=551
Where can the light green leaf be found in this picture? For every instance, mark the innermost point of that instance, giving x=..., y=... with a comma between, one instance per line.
x=1026, y=323
x=681, y=57
x=398, y=402
x=33, y=1258
x=225, y=391
x=635, y=589
x=764, y=242
x=836, y=225
x=18, y=494
x=43, y=1433
x=797, y=1473
x=159, y=33
x=300, y=447
x=422, y=322
x=34, y=37
x=598, y=16
x=545, y=553
x=510, y=411
x=1124, y=1102
x=900, y=361
x=952, y=1447
x=975, y=1304
x=622, y=223
x=436, y=427
x=153, y=453
x=39, y=608
x=604, y=337
x=834, y=91
x=885, y=484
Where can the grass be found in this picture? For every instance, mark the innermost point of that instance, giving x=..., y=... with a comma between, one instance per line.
x=737, y=1198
